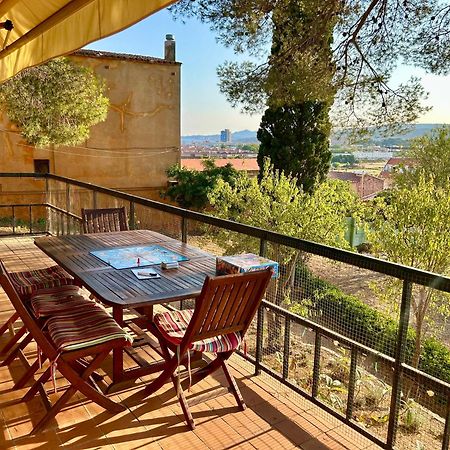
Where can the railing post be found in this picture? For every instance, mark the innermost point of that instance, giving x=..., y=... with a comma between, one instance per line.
x=286, y=347
x=351, y=383
x=262, y=247
x=13, y=220
x=259, y=339
x=48, y=212
x=132, y=216
x=260, y=321
x=68, y=206
x=446, y=437
x=184, y=230
x=399, y=360
x=30, y=215
x=316, y=368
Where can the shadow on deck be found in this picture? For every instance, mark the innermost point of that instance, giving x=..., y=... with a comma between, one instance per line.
x=275, y=418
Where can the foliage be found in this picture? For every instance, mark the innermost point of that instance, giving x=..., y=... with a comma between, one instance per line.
x=344, y=159
x=368, y=40
x=430, y=155
x=410, y=416
x=350, y=316
x=295, y=138
x=278, y=204
x=55, y=103
x=194, y=186
x=414, y=230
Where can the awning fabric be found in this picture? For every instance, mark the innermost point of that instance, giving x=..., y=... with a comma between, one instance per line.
x=44, y=29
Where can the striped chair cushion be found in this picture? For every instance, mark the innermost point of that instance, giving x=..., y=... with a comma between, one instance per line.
x=88, y=327
x=64, y=299
x=28, y=282
x=173, y=325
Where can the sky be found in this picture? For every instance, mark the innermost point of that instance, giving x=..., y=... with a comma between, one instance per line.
x=204, y=110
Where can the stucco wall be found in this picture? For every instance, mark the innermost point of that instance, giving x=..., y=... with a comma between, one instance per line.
x=130, y=151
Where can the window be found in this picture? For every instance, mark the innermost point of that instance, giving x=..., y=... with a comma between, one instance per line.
x=41, y=166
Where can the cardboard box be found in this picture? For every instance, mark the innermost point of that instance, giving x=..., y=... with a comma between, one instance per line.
x=247, y=262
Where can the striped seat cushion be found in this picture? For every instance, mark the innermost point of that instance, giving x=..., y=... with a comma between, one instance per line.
x=173, y=324
x=64, y=299
x=87, y=327
x=28, y=282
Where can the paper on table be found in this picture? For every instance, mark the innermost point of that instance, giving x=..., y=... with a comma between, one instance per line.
x=144, y=273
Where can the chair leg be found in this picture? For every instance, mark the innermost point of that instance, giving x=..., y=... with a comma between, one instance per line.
x=28, y=374
x=33, y=390
x=12, y=355
x=184, y=404
x=54, y=409
x=10, y=344
x=9, y=322
x=233, y=386
x=80, y=382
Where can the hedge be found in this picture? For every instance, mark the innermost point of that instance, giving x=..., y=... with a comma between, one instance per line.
x=350, y=316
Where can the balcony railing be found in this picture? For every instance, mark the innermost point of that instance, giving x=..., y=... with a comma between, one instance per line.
x=315, y=353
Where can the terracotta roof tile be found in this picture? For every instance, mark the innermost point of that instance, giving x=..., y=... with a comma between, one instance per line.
x=122, y=56
x=248, y=164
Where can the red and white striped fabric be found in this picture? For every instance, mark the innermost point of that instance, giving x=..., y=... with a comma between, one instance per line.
x=27, y=283
x=173, y=325
x=85, y=327
x=60, y=300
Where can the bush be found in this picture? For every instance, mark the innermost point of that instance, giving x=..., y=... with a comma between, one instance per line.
x=352, y=318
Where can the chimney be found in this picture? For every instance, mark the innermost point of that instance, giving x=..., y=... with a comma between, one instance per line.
x=169, y=48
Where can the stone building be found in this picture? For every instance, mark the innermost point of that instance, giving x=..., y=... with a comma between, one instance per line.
x=130, y=151
x=364, y=184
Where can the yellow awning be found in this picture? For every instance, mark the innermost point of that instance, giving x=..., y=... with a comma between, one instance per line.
x=44, y=29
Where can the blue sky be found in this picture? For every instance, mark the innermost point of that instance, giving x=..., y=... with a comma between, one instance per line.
x=204, y=109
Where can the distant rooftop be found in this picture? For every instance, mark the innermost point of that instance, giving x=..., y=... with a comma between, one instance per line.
x=248, y=164
x=122, y=56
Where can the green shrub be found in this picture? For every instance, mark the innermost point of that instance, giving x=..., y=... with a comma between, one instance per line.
x=352, y=318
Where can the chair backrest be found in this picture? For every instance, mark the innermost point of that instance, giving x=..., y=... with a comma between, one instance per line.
x=104, y=220
x=27, y=319
x=226, y=304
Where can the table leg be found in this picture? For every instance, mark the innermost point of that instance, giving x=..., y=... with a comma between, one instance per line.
x=117, y=352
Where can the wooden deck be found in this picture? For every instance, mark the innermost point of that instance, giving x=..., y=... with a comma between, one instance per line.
x=276, y=418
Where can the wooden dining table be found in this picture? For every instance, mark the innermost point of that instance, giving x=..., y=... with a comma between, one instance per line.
x=121, y=289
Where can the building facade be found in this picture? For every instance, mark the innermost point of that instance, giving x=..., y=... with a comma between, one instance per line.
x=130, y=151
x=225, y=136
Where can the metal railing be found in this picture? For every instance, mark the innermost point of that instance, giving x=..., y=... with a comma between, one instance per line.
x=64, y=197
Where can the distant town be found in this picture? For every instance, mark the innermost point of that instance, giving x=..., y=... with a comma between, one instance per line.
x=367, y=166
x=244, y=144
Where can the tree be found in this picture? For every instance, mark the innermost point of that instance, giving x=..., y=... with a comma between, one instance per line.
x=370, y=38
x=55, y=103
x=295, y=138
x=193, y=186
x=414, y=230
x=430, y=157
x=277, y=203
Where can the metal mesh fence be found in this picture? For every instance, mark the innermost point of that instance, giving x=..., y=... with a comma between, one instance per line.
x=326, y=327
x=152, y=219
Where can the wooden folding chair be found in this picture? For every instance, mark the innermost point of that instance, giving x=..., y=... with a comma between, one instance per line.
x=104, y=220
x=69, y=339
x=28, y=283
x=222, y=315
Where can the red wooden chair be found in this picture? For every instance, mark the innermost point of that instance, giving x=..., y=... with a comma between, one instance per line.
x=28, y=283
x=70, y=338
x=222, y=315
x=104, y=220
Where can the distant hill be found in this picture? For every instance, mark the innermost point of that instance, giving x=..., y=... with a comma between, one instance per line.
x=247, y=137
x=239, y=137
x=416, y=130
